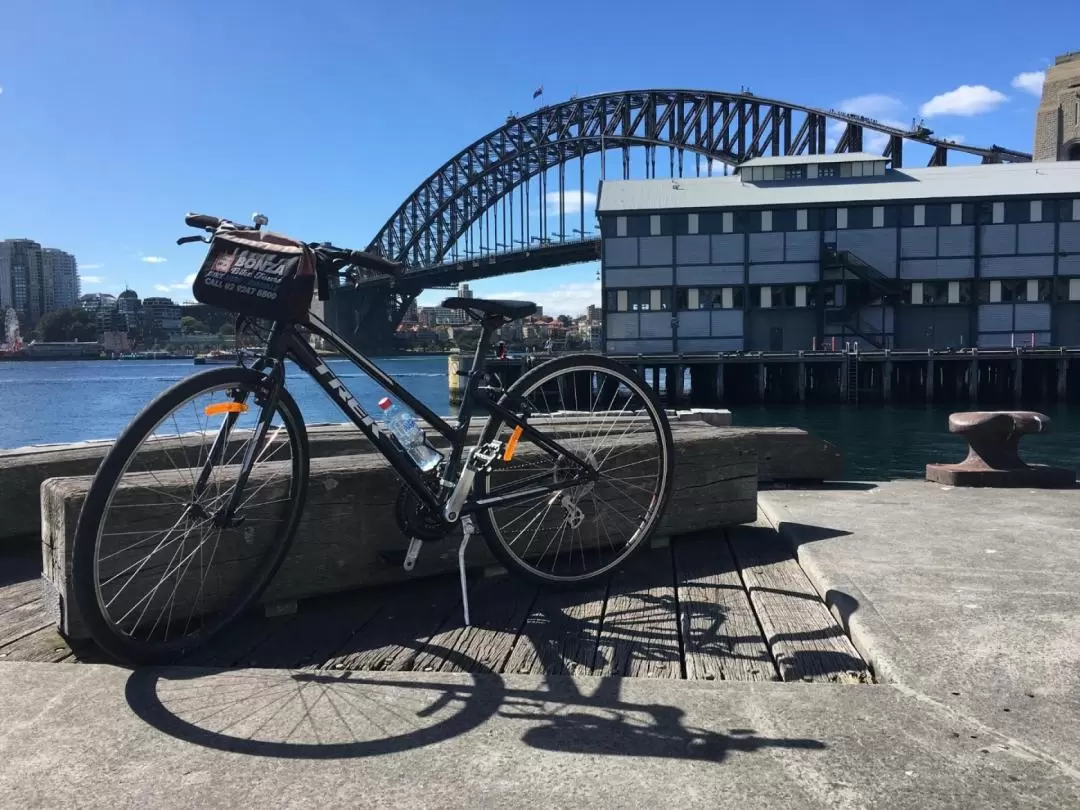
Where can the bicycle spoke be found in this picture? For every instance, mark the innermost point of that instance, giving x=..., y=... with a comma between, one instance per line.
x=588, y=526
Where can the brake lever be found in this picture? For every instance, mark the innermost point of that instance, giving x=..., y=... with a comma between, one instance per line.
x=183, y=240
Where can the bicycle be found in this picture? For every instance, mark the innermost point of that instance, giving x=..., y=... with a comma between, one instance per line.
x=520, y=459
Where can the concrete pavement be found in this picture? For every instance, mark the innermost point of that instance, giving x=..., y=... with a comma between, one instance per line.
x=964, y=601
x=275, y=739
x=970, y=598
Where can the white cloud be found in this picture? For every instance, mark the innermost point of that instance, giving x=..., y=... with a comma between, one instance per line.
x=154, y=259
x=572, y=199
x=1030, y=82
x=965, y=100
x=177, y=285
x=566, y=299
x=91, y=279
x=90, y=266
x=872, y=105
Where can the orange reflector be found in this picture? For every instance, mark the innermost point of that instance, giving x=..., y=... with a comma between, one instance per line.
x=511, y=445
x=225, y=407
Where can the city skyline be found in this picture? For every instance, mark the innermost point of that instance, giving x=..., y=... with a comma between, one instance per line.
x=36, y=280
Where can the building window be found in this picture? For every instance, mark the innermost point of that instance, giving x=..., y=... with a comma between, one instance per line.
x=800, y=295
x=935, y=292
x=1036, y=211
x=766, y=221
x=616, y=301
x=783, y=295
x=691, y=223
x=841, y=218
x=800, y=219
x=638, y=300
x=826, y=170
x=1074, y=289
x=1039, y=289
x=772, y=296
x=920, y=216
x=728, y=222
x=794, y=172
x=1009, y=291
x=620, y=226
x=654, y=225
x=956, y=214
x=879, y=216
x=998, y=216
x=1076, y=210
x=720, y=298
x=916, y=293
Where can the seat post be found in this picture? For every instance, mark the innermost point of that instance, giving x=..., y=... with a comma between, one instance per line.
x=488, y=327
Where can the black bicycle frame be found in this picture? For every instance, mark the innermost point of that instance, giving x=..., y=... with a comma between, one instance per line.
x=285, y=341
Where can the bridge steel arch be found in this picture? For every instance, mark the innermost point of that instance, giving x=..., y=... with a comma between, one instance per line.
x=725, y=127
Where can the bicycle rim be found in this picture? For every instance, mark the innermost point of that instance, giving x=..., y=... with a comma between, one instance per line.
x=597, y=410
x=164, y=577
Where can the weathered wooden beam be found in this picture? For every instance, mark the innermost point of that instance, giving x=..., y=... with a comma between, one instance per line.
x=348, y=524
x=23, y=470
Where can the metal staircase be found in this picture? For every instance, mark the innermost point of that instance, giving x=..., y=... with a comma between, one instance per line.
x=875, y=285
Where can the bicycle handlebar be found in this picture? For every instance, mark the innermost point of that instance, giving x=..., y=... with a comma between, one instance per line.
x=339, y=259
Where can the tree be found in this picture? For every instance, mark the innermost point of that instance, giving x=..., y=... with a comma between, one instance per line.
x=227, y=330
x=565, y=321
x=67, y=325
x=188, y=325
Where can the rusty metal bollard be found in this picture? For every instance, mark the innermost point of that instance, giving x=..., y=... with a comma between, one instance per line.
x=993, y=459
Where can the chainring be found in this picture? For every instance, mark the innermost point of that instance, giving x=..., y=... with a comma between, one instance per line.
x=414, y=519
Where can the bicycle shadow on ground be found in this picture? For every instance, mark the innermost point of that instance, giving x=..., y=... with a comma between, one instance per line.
x=320, y=715
x=460, y=679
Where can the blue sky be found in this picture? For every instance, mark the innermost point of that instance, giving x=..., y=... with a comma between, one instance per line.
x=118, y=116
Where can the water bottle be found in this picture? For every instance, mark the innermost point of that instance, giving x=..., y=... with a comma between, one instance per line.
x=412, y=438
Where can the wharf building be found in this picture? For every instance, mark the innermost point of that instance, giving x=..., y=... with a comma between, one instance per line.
x=790, y=253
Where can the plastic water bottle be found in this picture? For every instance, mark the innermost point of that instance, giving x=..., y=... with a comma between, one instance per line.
x=412, y=438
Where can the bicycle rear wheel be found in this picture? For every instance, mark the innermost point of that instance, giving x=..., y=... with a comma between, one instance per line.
x=598, y=410
x=154, y=573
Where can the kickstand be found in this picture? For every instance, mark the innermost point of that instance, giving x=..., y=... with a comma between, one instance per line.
x=469, y=530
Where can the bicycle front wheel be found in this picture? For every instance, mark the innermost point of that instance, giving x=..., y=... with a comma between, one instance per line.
x=598, y=411
x=156, y=571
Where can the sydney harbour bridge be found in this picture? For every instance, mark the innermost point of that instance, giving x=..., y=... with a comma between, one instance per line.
x=518, y=198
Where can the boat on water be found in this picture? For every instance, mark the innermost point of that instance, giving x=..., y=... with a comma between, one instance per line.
x=217, y=357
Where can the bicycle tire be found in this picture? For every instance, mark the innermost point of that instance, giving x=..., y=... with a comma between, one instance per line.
x=537, y=375
x=113, y=467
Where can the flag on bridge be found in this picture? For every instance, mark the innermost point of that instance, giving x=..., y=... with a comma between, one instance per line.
x=538, y=92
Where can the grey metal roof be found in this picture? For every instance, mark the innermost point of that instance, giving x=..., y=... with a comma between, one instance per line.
x=992, y=181
x=805, y=160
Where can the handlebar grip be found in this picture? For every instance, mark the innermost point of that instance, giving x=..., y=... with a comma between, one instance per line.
x=202, y=221
x=370, y=261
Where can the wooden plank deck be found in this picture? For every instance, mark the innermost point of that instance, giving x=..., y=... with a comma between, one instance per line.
x=724, y=605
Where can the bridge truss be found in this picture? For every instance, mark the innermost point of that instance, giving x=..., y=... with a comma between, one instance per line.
x=479, y=201
x=518, y=198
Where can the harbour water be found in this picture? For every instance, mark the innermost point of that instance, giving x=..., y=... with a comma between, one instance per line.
x=57, y=402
